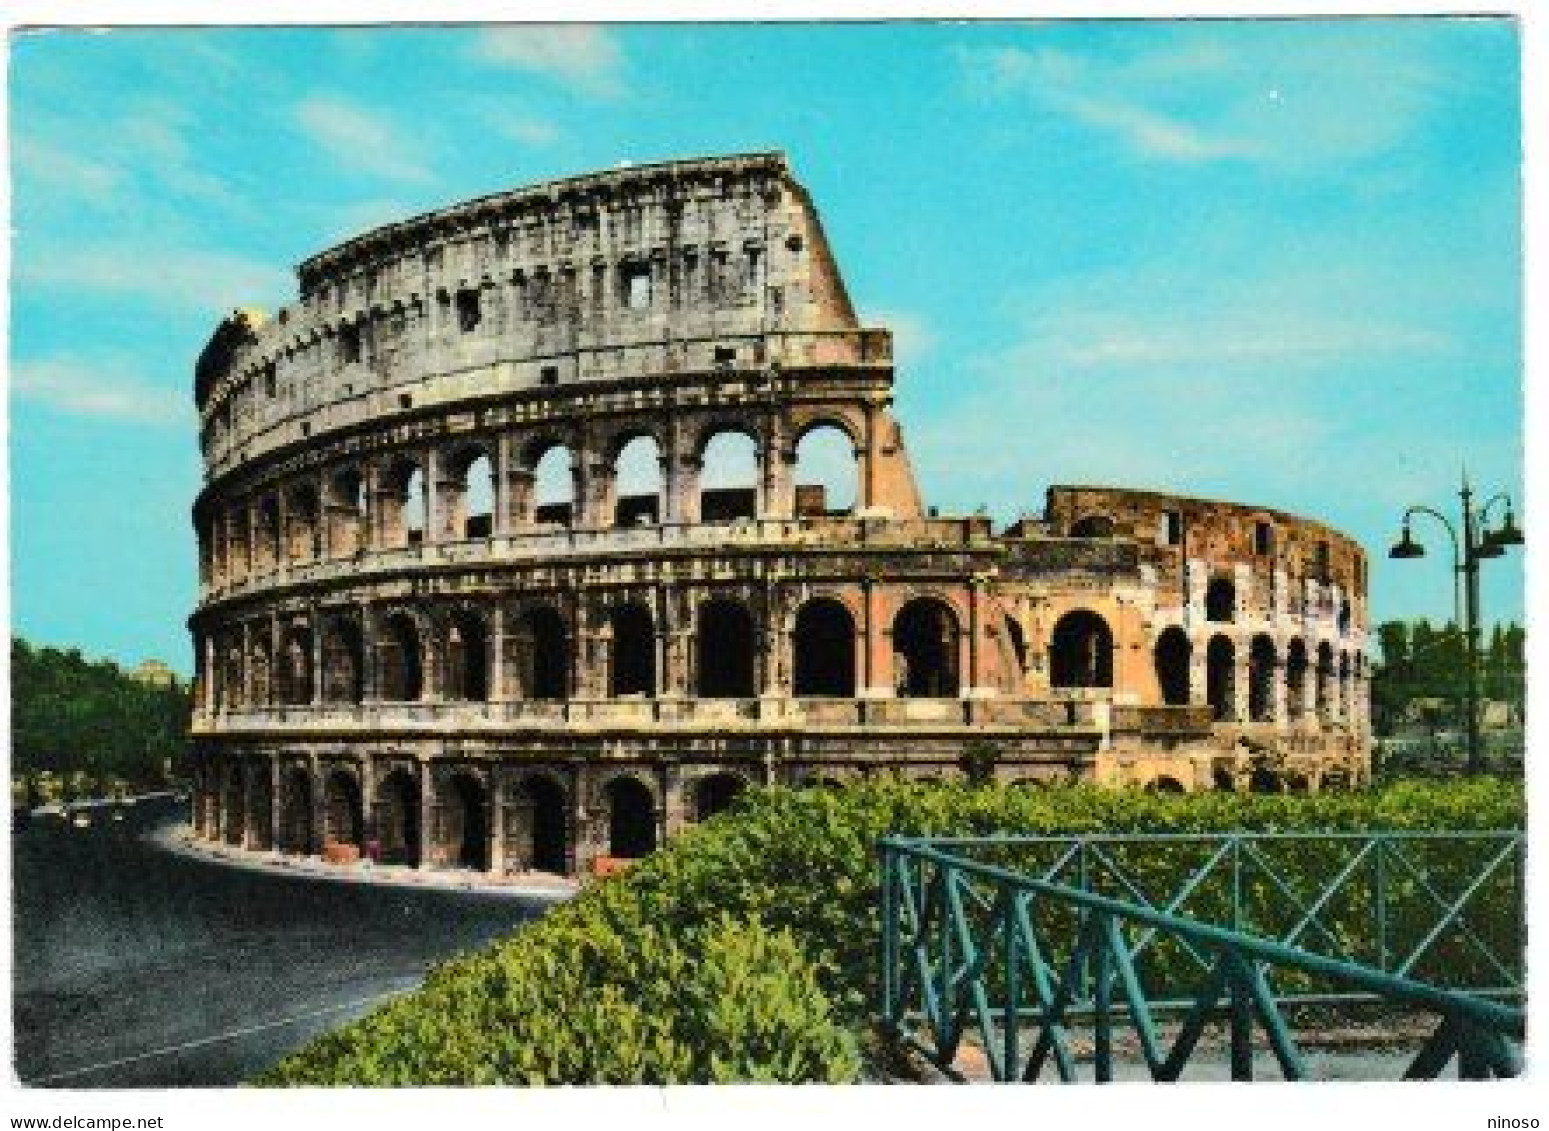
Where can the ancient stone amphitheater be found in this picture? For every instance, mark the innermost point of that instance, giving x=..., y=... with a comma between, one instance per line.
x=439, y=625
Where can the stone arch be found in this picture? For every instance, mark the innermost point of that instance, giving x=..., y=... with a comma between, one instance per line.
x=635, y=457
x=926, y=650
x=297, y=834
x=1165, y=783
x=725, y=649
x=346, y=509
x=1296, y=679
x=826, y=471
x=400, y=659
x=631, y=650
x=231, y=686
x=1221, y=600
x=271, y=536
x=824, y=650
x=1223, y=781
x=1265, y=780
x=1221, y=677
x=467, y=657
x=401, y=504
x=343, y=811
x=553, y=465
x=1081, y=651
x=303, y=511
x=1092, y=526
x=730, y=469
x=631, y=817
x=1325, y=680
x=259, y=672
x=344, y=661
x=1345, y=697
x=465, y=823
x=543, y=643
x=397, y=810
x=715, y=792
x=234, y=804
x=293, y=678
x=1172, y=656
x=470, y=491
x=550, y=844
x=1263, y=663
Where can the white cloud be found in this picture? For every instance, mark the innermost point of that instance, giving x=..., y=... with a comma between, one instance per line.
x=42, y=165
x=584, y=57
x=913, y=336
x=358, y=139
x=1284, y=96
x=102, y=390
x=166, y=277
x=525, y=129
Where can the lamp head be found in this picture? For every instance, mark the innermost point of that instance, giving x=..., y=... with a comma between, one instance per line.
x=1508, y=534
x=1406, y=546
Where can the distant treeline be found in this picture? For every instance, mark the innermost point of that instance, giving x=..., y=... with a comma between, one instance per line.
x=1420, y=661
x=73, y=716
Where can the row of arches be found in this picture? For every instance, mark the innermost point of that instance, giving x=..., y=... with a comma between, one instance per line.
x=461, y=493
x=468, y=655
x=459, y=828
x=1321, y=682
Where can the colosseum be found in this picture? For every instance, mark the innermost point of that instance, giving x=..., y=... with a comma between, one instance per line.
x=440, y=623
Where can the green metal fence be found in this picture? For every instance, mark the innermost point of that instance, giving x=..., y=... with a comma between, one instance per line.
x=1025, y=944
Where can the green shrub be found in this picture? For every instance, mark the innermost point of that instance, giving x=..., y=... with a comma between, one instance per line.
x=747, y=949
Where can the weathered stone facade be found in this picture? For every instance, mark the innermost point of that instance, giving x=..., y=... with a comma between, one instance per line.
x=400, y=642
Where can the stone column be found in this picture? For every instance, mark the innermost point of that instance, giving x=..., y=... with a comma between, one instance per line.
x=683, y=492
x=282, y=531
x=501, y=517
x=207, y=687
x=496, y=792
x=521, y=512
x=315, y=620
x=430, y=831
x=430, y=480
x=1241, y=670
x=497, y=654
x=866, y=488
x=975, y=682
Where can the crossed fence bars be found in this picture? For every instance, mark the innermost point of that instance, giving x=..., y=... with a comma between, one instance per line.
x=1019, y=940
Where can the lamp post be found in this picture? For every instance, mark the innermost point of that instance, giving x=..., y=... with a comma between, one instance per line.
x=1477, y=544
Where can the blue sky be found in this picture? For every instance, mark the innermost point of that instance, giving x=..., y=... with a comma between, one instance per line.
x=1274, y=261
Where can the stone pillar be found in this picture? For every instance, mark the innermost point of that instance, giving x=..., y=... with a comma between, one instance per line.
x=594, y=490
x=281, y=543
x=497, y=654
x=496, y=793
x=207, y=686
x=866, y=458
x=1199, y=670
x=501, y=471
x=276, y=799
x=974, y=683
x=430, y=820
x=314, y=619
x=683, y=491
x=1241, y=672
x=430, y=483
x=1279, y=689
x=879, y=643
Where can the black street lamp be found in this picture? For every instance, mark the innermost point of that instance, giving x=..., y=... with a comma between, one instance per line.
x=1477, y=544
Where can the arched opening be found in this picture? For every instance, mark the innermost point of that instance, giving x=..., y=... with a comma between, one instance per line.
x=1172, y=666
x=399, y=660
x=825, y=473
x=1092, y=526
x=1325, y=684
x=632, y=666
x=1081, y=651
x=466, y=817
x=304, y=540
x=824, y=650
x=1262, y=663
x=1017, y=639
x=1223, y=781
x=725, y=645
x=467, y=658
x=546, y=663
x=231, y=687
x=401, y=504
x=473, y=497
x=234, y=806
x=260, y=687
x=728, y=478
x=550, y=852
x=295, y=671
x=1165, y=784
x=343, y=820
x=631, y=818
x=715, y=793
x=270, y=536
x=346, y=517
x=296, y=835
x=1344, y=618
x=554, y=487
x=1220, y=677
x=1264, y=780
x=1296, y=680
x=925, y=650
x=260, y=808
x=637, y=483
x=398, y=819
x=1344, y=697
x=343, y=663
x=1221, y=600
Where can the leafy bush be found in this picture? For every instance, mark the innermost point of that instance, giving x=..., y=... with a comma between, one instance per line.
x=747, y=949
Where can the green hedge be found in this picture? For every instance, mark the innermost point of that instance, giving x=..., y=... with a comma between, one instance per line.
x=746, y=949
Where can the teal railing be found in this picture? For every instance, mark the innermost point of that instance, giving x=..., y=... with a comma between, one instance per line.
x=1033, y=947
